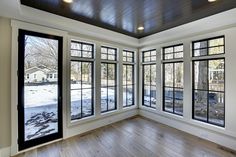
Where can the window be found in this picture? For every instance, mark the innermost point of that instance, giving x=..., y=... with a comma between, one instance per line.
x=82, y=84
x=173, y=79
x=108, y=79
x=208, y=81
x=149, y=78
x=128, y=78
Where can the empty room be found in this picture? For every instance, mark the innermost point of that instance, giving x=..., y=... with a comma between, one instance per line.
x=117, y=78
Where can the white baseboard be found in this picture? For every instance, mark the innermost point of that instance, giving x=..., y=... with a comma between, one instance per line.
x=5, y=152
x=218, y=138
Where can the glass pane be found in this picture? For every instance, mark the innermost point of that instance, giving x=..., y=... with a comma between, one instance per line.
x=169, y=75
x=169, y=96
x=111, y=98
x=124, y=74
x=111, y=75
x=103, y=56
x=76, y=75
x=216, y=42
x=153, y=75
x=75, y=45
x=147, y=54
x=169, y=56
x=200, y=75
x=124, y=54
x=130, y=54
x=129, y=74
x=104, y=50
x=147, y=94
x=124, y=96
x=201, y=52
x=76, y=53
x=40, y=87
x=179, y=48
x=104, y=74
x=111, y=52
x=146, y=76
x=104, y=99
x=153, y=58
x=179, y=75
x=216, y=75
x=216, y=108
x=178, y=55
x=130, y=59
x=87, y=54
x=147, y=59
x=178, y=101
x=124, y=59
x=153, y=96
x=200, y=105
x=76, y=104
x=87, y=102
x=168, y=50
x=199, y=45
x=111, y=57
x=153, y=53
x=87, y=47
x=216, y=50
x=86, y=75
x=130, y=95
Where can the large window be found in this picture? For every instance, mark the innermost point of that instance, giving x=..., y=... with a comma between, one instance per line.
x=82, y=85
x=173, y=79
x=108, y=79
x=128, y=78
x=208, y=81
x=149, y=78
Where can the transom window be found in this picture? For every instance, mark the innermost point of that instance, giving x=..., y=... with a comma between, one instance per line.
x=209, y=81
x=173, y=75
x=108, y=79
x=149, y=78
x=108, y=53
x=128, y=78
x=82, y=84
x=173, y=52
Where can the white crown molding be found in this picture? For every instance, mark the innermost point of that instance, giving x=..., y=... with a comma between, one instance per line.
x=212, y=23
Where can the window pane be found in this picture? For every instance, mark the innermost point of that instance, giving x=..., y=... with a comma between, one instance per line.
x=104, y=99
x=75, y=45
x=130, y=95
x=104, y=50
x=111, y=75
x=76, y=53
x=179, y=48
x=129, y=74
x=179, y=76
x=169, y=96
x=147, y=94
x=168, y=50
x=169, y=75
x=147, y=76
x=169, y=56
x=87, y=47
x=153, y=96
x=147, y=59
x=200, y=45
x=147, y=54
x=216, y=75
x=178, y=55
x=104, y=74
x=178, y=101
x=124, y=74
x=111, y=98
x=87, y=54
x=200, y=52
x=76, y=104
x=124, y=96
x=153, y=75
x=103, y=56
x=200, y=74
x=86, y=75
x=111, y=57
x=87, y=102
x=216, y=108
x=216, y=42
x=200, y=105
x=216, y=50
x=76, y=74
x=130, y=59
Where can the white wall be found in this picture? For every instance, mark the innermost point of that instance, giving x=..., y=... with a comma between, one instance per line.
x=223, y=136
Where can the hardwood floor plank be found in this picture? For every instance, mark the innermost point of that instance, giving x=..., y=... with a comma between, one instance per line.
x=134, y=137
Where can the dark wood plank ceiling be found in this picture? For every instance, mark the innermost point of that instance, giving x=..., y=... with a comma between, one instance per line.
x=125, y=16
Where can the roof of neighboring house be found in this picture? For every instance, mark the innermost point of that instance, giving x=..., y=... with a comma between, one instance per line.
x=51, y=71
x=35, y=69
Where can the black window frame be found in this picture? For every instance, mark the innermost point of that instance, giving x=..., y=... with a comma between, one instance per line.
x=111, y=62
x=127, y=63
x=173, y=61
x=148, y=63
x=107, y=48
x=201, y=58
x=82, y=60
x=83, y=43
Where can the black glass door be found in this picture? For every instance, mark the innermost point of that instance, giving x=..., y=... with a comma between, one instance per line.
x=39, y=88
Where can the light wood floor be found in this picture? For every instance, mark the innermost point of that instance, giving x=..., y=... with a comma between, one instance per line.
x=135, y=137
